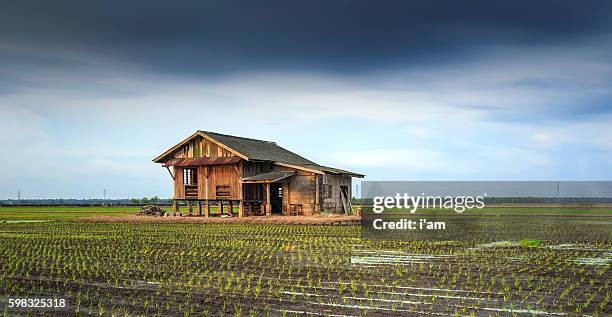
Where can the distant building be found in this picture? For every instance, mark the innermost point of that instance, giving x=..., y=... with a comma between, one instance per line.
x=258, y=177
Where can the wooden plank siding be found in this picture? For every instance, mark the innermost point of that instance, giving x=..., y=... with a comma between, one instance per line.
x=286, y=196
x=179, y=188
x=301, y=190
x=201, y=147
x=224, y=175
x=218, y=175
x=334, y=203
x=209, y=177
x=203, y=184
x=254, y=168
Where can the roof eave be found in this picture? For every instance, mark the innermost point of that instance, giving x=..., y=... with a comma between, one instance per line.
x=299, y=167
x=246, y=180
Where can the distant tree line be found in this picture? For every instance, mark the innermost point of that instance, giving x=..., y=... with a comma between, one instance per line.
x=86, y=202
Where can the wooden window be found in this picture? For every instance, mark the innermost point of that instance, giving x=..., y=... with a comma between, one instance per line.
x=327, y=191
x=190, y=176
x=223, y=191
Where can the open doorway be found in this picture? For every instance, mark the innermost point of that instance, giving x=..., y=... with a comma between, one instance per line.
x=345, y=197
x=276, y=197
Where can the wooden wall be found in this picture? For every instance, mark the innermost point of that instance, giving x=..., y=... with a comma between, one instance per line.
x=334, y=203
x=253, y=168
x=301, y=189
x=218, y=175
x=253, y=192
x=179, y=189
x=201, y=147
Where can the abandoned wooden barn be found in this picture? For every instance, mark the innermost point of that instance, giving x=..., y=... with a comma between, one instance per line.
x=252, y=177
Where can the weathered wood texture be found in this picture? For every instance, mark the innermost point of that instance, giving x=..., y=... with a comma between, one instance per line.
x=253, y=192
x=179, y=187
x=286, y=194
x=334, y=203
x=201, y=147
x=254, y=168
x=302, y=190
x=226, y=176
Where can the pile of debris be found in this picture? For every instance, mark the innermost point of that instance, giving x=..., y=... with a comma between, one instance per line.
x=150, y=210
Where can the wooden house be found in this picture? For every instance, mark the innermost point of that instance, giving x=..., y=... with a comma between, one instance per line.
x=252, y=177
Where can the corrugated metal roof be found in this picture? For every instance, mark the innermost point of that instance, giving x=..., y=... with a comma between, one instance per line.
x=268, y=177
x=202, y=161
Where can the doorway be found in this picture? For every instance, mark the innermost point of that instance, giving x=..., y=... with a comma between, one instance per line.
x=345, y=197
x=276, y=197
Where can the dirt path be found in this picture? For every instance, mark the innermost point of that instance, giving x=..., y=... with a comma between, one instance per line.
x=290, y=220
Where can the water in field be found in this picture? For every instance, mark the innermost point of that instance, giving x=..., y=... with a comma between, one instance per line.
x=266, y=269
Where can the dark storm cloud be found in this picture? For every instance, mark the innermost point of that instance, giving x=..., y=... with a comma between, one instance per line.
x=227, y=36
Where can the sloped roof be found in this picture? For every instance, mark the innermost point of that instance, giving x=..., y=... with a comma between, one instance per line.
x=257, y=150
x=268, y=177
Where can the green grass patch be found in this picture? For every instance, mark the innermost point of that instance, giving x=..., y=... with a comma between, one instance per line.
x=530, y=243
x=61, y=213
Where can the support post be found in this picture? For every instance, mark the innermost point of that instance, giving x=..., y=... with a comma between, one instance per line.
x=268, y=206
x=199, y=207
x=230, y=209
x=206, y=209
x=240, y=209
x=288, y=193
x=174, y=205
x=220, y=207
x=317, y=207
x=189, y=207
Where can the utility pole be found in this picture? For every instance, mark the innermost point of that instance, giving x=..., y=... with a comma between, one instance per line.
x=19, y=195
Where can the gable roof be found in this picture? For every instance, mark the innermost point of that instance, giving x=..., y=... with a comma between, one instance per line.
x=256, y=150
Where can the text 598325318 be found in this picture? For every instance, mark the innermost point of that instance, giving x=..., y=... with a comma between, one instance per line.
x=38, y=303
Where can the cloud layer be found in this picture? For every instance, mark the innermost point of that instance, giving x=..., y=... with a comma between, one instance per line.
x=88, y=96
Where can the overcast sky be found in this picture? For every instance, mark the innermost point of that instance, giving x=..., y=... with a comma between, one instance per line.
x=91, y=91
